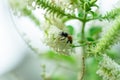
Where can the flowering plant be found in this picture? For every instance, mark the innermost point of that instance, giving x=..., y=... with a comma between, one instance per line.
x=63, y=39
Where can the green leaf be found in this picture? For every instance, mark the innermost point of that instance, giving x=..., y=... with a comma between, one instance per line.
x=95, y=30
x=70, y=29
x=90, y=39
x=60, y=77
x=60, y=58
x=93, y=33
x=80, y=14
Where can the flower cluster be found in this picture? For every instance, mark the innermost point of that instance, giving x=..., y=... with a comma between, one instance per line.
x=53, y=27
x=54, y=40
x=109, y=69
x=109, y=39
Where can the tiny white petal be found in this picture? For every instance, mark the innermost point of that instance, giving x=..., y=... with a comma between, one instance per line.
x=109, y=69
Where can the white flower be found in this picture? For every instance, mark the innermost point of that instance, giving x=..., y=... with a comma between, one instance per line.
x=54, y=40
x=109, y=69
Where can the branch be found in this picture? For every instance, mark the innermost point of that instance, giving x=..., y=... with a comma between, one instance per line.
x=54, y=10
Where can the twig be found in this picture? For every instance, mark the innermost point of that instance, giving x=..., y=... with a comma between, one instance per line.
x=83, y=68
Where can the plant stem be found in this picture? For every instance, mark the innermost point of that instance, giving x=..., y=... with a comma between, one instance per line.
x=82, y=32
x=83, y=28
x=83, y=68
x=83, y=47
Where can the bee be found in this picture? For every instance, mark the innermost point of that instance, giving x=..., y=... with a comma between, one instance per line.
x=66, y=35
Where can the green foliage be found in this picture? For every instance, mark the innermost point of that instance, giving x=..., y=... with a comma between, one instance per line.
x=114, y=54
x=70, y=29
x=63, y=76
x=58, y=77
x=86, y=9
x=88, y=40
x=109, y=39
x=91, y=70
x=87, y=5
x=93, y=33
x=60, y=58
x=95, y=30
x=52, y=8
x=66, y=64
x=112, y=14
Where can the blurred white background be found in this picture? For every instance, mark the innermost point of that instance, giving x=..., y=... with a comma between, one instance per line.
x=17, y=61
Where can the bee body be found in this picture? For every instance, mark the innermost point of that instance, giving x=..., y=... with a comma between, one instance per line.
x=66, y=35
